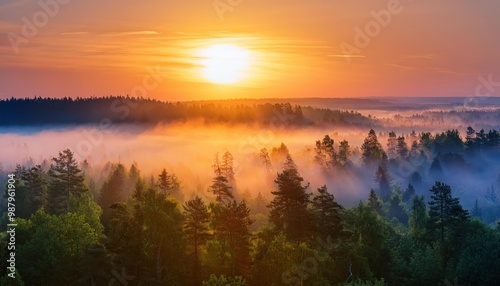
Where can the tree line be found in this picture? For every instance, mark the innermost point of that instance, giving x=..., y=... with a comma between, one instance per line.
x=40, y=111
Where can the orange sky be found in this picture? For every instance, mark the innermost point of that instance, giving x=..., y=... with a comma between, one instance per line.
x=86, y=48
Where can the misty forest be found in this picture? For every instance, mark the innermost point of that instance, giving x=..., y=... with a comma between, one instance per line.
x=143, y=192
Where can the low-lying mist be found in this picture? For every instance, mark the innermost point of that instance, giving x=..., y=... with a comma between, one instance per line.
x=188, y=150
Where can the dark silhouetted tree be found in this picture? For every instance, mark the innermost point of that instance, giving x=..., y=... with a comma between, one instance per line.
x=266, y=160
x=448, y=142
x=384, y=187
x=414, y=151
x=436, y=170
x=418, y=219
x=372, y=151
x=445, y=212
x=289, y=163
x=476, y=211
x=230, y=225
x=66, y=181
x=409, y=193
x=259, y=204
x=227, y=168
x=374, y=202
x=491, y=195
x=196, y=219
x=470, y=139
x=396, y=209
x=220, y=185
x=392, y=143
x=325, y=153
x=164, y=182
x=289, y=207
x=328, y=212
x=425, y=144
x=162, y=238
x=278, y=154
x=112, y=191
x=344, y=154
x=416, y=179
x=402, y=148
x=36, y=188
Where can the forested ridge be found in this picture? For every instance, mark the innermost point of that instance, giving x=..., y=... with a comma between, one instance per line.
x=124, y=109
x=81, y=225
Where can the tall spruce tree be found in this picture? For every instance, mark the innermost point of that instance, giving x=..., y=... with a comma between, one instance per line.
x=436, y=169
x=289, y=207
x=196, y=230
x=326, y=157
x=392, y=143
x=375, y=203
x=372, y=151
x=169, y=184
x=231, y=224
x=409, y=193
x=418, y=219
x=328, y=214
x=396, y=209
x=220, y=185
x=289, y=163
x=414, y=151
x=344, y=154
x=164, y=182
x=162, y=236
x=382, y=178
x=112, y=191
x=36, y=188
x=66, y=180
x=266, y=160
x=491, y=195
x=402, y=148
x=445, y=212
x=476, y=211
x=227, y=168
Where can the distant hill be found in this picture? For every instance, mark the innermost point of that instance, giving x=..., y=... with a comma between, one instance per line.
x=376, y=103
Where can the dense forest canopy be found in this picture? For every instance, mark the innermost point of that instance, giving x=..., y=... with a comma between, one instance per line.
x=428, y=214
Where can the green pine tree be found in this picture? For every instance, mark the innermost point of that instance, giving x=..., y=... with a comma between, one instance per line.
x=66, y=181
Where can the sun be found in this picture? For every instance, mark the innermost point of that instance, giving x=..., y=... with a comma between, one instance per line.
x=224, y=63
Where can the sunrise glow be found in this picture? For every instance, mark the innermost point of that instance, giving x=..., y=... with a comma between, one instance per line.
x=224, y=64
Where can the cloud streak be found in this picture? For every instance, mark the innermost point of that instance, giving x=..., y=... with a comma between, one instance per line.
x=132, y=33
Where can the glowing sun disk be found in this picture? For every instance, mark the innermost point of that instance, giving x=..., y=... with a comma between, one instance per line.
x=224, y=64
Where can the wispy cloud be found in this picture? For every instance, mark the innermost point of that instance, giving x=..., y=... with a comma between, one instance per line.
x=73, y=33
x=447, y=71
x=132, y=33
x=424, y=57
x=346, y=56
x=401, y=67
